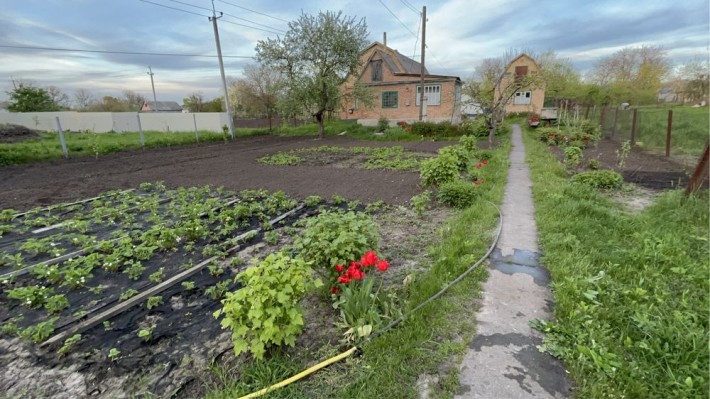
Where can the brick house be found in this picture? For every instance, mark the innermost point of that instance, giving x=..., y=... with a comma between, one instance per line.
x=394, y=81
x=525, y=99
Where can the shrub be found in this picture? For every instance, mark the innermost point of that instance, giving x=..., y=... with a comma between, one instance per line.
x=470, y=143
x=458, y=152
x=457, y=194
x=476, y=128
x=420, y=202
x=382, y=124
x=599, y=179
x=439, y=170
x=573, y=156
x=431, y=129
x=265, y=311
x=336, y=237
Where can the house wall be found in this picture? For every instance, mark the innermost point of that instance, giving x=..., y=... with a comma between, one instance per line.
x=101, y=122
x=406, y=86
x=537, y=93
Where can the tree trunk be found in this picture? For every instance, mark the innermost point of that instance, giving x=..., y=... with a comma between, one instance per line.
x=494, y=127
x=319, y=118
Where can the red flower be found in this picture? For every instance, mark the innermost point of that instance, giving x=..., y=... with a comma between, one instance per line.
x=344, y=279
x=357, y=274
x=485, y=162
x=479, y=165
x=334, y=290
x=369, y=259
x=475, y=181
x=382, y=265
x=339, y=268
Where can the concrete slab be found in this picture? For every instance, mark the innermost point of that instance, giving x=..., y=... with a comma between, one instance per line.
x=503, y=360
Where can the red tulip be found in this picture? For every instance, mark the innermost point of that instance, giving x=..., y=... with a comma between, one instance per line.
x=382, y=265
x=369, y=259
x=339, y=268
x=334, y=290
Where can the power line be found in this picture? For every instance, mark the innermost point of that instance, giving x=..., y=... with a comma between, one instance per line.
x=256, y=12
x=252, y=22
x=409, y=6
x=252, y=27
x=191, y=5
x=175, y=8
x=395, y=17
x=233, y=16
x=120, y=52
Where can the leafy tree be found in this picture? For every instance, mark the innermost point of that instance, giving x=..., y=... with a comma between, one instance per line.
x=633, y=73
x=692, y=80
x=109, y=104
x=316, y=56
x=258, y=94
x=27, y=98
x=194, y=102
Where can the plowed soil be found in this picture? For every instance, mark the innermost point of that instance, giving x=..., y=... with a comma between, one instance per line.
x=232, y=165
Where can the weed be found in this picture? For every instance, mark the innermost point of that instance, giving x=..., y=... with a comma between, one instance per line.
x=623, y=153
x=68, y=344
x=420, y=202
x=154, y=302
x=114, y=354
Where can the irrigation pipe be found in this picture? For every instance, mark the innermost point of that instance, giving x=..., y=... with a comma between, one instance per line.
x=389, y=326
x=49, y=208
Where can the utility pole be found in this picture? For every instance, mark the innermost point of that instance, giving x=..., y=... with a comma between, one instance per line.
x=421, y=79
x=230, y=122
x=155, y=99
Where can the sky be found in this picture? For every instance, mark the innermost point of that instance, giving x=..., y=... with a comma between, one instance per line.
x=459, y=34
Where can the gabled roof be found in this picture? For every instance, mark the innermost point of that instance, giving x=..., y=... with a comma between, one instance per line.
x=396, y=62
x=521, y=55
x=163, y=105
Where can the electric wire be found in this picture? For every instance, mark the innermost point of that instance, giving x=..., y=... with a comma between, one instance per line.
x=397, y=18
x=175, y=8
x=252, y=22
x=120, y=52
x=252, y=27
x=409, y=6
x=191, y=5
x=255, y=12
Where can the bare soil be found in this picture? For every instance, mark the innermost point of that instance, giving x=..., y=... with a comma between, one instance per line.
x=232, y=165
x=15, y=133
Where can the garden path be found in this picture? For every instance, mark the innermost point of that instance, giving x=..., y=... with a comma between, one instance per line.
x=503, y=360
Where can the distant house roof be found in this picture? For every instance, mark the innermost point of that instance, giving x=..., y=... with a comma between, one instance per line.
x=169, y=106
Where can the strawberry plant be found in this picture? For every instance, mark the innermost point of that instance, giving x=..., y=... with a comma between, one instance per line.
x=32, y=296
x=154, y=301
x=56, y=303
x=439, y=170
x=265, y=311
x=134, y=270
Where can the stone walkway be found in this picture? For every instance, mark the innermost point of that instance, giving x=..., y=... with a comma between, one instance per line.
x=503, y=360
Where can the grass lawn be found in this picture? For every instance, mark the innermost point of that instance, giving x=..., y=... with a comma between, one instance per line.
x=631, y=289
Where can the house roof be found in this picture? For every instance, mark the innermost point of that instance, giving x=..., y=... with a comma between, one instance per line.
x=521, y=55
x=164, y=105
x=397, y=63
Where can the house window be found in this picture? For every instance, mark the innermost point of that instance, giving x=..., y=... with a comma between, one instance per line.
x=376, y=71
x=432, y=94
x=522, y=98
x=390, y=99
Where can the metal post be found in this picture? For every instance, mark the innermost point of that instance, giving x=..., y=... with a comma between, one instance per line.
x=194, y=121
x=230, y=121
x=613, y=126
x=155, y=99
x=633, y=128
x=140, y=129
x=668, y=132
x=61, y=139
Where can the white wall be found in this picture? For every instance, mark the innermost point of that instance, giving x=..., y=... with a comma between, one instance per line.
x=101, y=122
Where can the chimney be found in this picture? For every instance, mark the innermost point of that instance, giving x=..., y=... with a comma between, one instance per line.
x=384, y=38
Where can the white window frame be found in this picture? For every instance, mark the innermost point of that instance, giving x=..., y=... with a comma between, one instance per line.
x=432, y=94
x=522, y=98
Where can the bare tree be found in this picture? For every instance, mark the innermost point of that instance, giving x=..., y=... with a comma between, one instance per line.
x=83, y=98
x=194, y=102
x=59, y=98
x=133, y=100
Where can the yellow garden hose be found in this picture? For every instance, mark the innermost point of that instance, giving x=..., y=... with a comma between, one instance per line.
x=301, y=374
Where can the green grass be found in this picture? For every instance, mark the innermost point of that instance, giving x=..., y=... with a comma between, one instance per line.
x=48, y=146
x=431, y=341
x=631, y=289
x=689, y=132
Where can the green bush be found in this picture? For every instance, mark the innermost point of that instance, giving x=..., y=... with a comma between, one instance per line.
x=470, y=143
x=441, y=169
x=475, y=127
x=383, y=124
x=431, y=129
x=265, y=311
x=599, y=179
x=457, y=194
x=573, y=156
x=459, y=152
x=335, y=238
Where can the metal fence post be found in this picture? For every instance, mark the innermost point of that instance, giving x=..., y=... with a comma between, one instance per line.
x=668, y=132
x=194, y=121
x=61, y=139
x=140, y=129
x=601, y=118
x=613, y=126
x=633, y=128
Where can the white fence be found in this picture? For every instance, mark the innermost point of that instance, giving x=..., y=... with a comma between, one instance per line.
x=101, y=122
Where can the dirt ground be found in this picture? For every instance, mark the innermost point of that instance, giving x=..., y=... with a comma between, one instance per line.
x=232, y=165
x=644, y=169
